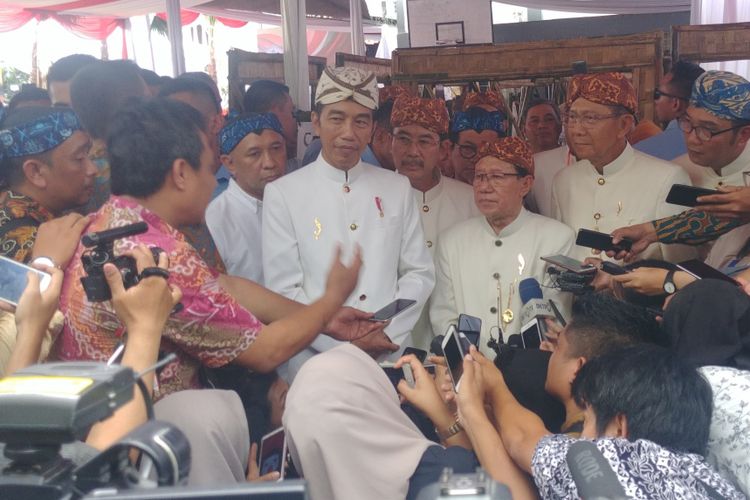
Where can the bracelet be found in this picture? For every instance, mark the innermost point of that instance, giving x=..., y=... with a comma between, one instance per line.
x=451, y=431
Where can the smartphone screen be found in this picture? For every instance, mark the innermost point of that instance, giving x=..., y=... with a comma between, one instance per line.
x=272, y=450
x=454, y=355
x=470, y=326
x=531, y=337
x=13, y=279
x=392, y=309
x=569, y=264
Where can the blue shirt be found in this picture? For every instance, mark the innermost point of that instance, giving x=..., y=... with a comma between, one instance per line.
x=668, y=145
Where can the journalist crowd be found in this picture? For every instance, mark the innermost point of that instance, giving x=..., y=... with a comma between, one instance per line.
x=260, y=269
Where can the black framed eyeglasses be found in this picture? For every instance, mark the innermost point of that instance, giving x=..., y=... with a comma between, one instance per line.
x=703, y=133
x=467, y=151
x=658, y=94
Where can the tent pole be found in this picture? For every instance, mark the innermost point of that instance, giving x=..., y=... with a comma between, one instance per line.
x=357, y=31
x=294, y=33
x=174, y=29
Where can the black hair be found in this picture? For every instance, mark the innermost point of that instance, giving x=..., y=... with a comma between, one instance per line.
x=11, y=169
x=65, y=68
x=190, y=86
x=641, y=299
x=150, y=77
x=264, y=95
x=664, y=399
x=601, y=323
x=98, y=90
x=206, y=79
x=684, y=74
x=28, y=93
x=538, y=101
x=147, y=138
x=382, y=116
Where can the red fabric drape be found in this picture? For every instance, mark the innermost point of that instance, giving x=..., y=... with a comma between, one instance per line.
x=12, y=19
x=97, y=28
x=188, y=16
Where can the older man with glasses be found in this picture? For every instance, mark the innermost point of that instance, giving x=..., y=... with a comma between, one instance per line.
x=612, y=185
x=481, y=262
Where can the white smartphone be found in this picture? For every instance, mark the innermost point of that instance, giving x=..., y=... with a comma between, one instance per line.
x=569, y=264
x=273, y=454
x=454, y=352
x=13, y=280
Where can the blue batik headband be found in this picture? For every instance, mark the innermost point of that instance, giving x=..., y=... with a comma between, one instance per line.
x=478, y=119
x=39, y=135
x=723, y=94
x=235, y=131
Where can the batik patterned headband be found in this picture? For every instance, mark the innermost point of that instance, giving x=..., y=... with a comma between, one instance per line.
x=478, y=119
x=233, y=133
x=38, y=135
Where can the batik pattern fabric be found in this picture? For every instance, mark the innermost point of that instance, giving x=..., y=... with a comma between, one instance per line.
x=340, y=84
x=479, y=119
x=427, y=113
x=234, y=131
x=488, y=98
x=513, y=150
x=39, y=135
x=392, y=92
x=610, y=89
x=729, y=437
x=644, y=469
x=692, y=228
x=201, y=240
x=211, y=330
x=20, y=217
x=723, y=94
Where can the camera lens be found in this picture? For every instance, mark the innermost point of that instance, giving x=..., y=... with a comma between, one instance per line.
x=99, y=258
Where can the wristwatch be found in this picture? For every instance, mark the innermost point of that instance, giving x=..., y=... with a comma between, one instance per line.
x=451, y=431
x=669, y=286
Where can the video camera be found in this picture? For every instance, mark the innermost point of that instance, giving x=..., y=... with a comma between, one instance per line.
x=45, y=406
x=101, y=251
x=569, y=281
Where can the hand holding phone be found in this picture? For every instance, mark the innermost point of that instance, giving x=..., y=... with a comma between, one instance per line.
x=601, y=241
x=396, y=307
x=454, y=351
x=687, y=196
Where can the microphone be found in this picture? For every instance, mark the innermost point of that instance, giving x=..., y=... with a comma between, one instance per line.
x=592, y=473
x=534, y=312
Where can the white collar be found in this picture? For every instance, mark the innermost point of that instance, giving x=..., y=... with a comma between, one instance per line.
x=235, y=191
x=325, y=169
x=511, y=228
x=741, y=163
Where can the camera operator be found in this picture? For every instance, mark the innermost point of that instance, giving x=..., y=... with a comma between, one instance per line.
x=161, y=174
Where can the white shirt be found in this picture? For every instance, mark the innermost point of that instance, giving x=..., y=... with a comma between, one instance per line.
x=234, y=220
x=706, y=177
x=440, y=208
x=632, y=189
x=546, y=166
x=443, y=206
x=478, y=271
x=309, y=212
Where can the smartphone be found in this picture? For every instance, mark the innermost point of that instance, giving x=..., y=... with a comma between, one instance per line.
x=392, y=309
x=569, y=264
x=13, y=280
x=687, y=196
x=272, y=455
x=613, y=269
x=420, y=354
x=531, y=335
x=395, y=375
x=701, y=270
x=600, y=241
x=453, y=351
x=471, y=327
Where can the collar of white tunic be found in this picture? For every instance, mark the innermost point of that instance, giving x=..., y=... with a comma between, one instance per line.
x=431, y=194
x=328, y=171
x=511, y=228
x=615, y=166
x=238, y=194
x=741, y=163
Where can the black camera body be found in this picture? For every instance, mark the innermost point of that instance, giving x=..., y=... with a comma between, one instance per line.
x=101, y=251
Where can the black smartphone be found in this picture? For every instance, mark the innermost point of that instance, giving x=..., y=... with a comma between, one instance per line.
x=613, y=269
x=600, y=241
x=569, y=264
x=420, y=354
x=687, y=196
x=453, y=351
x=701, y=270
x=471, y=327
x=392, y=309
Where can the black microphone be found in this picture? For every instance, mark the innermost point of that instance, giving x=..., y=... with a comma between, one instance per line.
x=592, y=474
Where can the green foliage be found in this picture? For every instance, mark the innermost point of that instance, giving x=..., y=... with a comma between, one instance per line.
x=11, y=80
